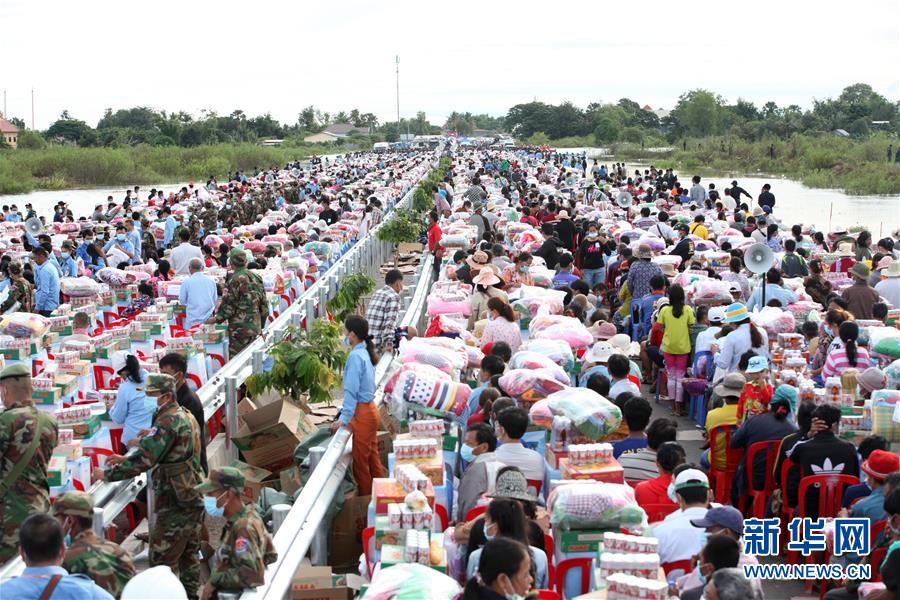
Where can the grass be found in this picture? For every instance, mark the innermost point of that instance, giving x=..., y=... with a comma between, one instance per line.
x=60, y=167
x=824, y=161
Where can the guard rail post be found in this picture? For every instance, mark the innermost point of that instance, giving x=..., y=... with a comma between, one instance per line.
x=318, y=549
x=230, y=417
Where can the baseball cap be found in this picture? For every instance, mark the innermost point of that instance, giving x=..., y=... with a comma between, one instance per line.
x=159, y=384
x=691, y=478
x=224, y=479
x=722, y=516
x=74, y=504
x=757, y=364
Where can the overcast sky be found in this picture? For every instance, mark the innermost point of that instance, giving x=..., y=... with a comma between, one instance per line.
x=268, y=56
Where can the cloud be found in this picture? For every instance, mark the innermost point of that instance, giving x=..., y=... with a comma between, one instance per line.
x=277, y=57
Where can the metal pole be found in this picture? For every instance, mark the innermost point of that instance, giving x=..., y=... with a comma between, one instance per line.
x=310, y=313
x=397, y=59
x=279, y=514
x=230, y=412
x=99, y=528
x=258, y=358
x=318, y=549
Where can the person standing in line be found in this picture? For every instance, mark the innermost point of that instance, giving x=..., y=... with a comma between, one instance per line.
x=198, y=294
x=676, y=319
x=244, y=306
x=171, y=448
x=358, y=412
x=46, y=282
x=383, y=312
x=183, y=253
x=27, y=439
x=434, y=242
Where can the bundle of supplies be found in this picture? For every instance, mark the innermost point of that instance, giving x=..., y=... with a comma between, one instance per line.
x=594, y=505
x=586, y=454
x=425, y=428
x=620, y=586
x=636, y=565
x=592, y=414
x=411, y=478
x=420, y=447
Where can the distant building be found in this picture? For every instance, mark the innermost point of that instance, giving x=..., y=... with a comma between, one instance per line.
x=271, y=143
x=647, y=108
x=9, y=132
x=333, y=132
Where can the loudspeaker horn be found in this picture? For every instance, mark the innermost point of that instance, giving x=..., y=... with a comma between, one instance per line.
x=623, y=199
x=759, y=258
x=270, y=179
x=34, y=227
x=295, y=172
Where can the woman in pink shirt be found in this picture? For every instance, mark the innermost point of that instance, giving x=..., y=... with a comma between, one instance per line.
x=846, y=354
x=502, y=325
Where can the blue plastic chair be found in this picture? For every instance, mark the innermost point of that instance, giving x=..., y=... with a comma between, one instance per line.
x=635, y=330
x=697, y=408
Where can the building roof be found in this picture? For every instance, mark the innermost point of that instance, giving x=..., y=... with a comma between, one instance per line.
x=341, y=129
x=6, y=126
x=648, y=108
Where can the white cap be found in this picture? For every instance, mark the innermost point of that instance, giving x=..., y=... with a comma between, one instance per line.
x=153, y=584
x=717, y=314
x=118, y=360
x=691, y=478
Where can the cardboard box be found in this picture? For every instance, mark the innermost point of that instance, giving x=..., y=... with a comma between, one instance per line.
x=56, y=470
x=409, y=247
x=432, y=467
x=15, y=353
x=268, y=435
x=386, y=536
x=217, y=453
x=290, y=480
x=389, y=491
x=79, y=368
x=71, y=451
x=345, y=543
x=385, y=446
x=611, y=472
x=88, y=428
x=254, y=480
x=553, y=457
x=51, y=396
x=391, y=554
x=586, y=540
x=65, y=383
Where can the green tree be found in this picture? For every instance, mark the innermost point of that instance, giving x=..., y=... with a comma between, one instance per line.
x=30, y=140
x=342, y=117
x=606, y=131
x=72, y=130
x=539, y=139
x=698, y=114
x=420, y=125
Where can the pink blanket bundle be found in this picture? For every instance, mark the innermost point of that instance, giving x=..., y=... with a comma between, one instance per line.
x=445, y=396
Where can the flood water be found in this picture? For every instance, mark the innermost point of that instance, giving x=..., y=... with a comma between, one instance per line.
x=795, y=203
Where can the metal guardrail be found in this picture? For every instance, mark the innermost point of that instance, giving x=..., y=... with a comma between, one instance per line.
x=368, y=254
x=304, y=521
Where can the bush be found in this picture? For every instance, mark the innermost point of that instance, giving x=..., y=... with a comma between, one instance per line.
x=31, y=140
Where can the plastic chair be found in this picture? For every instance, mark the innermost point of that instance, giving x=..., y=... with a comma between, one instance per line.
x=875, y=559
x=547, y=595
x=658, y=512
x=115, y=436
x=551, y=560
x=95, y=454
x=109, y=318
x=77, y=485
x=787, y=511
x=757, y=498
x=190, y=378
x=831, y=490
x=535, y=484
x=676, y=565
x=103, y=377
x=475, y=513
x=563, y=568
x=720, y=480
x=367, y=535
x=660, y=382
x=441, y=513
x=697, y=406
x=179, y=320
x=635, y=329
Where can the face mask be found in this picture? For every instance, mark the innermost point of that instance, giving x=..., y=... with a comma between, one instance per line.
x=150, y=404
x=64, y=255
x=487, y=536
x=703, y=579
x=525, y=269
x=670, y=492
x=592, y=236
x=209, y=505
x=67, y=540
x=467, y=453
x=121, y=237
x=345, y=340
x=894, y=530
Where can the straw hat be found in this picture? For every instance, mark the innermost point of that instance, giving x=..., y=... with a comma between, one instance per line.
x=623, y=344
x=599, y=353
x=486, y=277
x=602, y=330
x=563, y=214
x=845, y=249
x=668, y=269
x=893, y=269
x=478, y=260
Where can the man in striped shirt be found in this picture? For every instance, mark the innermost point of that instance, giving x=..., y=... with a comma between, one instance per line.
x=641, y=465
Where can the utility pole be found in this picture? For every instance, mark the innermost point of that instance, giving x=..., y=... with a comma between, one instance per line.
x=4, y=103
x=32, y=109
x=397, y=62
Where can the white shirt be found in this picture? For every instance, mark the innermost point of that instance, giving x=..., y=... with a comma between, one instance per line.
x=198, y=294
x=182, y=255
x=624, y=385
x=706, y=339
x=889, y=289
x=529, y=462
x=678, y=539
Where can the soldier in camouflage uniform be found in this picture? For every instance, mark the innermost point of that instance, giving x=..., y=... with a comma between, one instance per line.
x=103, y=561
x=27, y=439
x=210, y=219
x=244, y=306
x=19, y=291
x=246, y=547
x=172, y=448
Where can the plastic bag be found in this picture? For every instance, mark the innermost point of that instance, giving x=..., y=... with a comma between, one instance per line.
x=710, y=291
x=530, y=385
x=445, y=359
x=556, y=350
x=888, y=346
x=528, y=359
x=24, y=325
x=422, y=369
x=892, y=375
x=79, y=286
x=540, y=414
x=592, y=414
x=571, y=331
x=411, y=581
x=445, y=396
x=533, y=298
x=594, y=505
x=114, y=276
x=774, y=320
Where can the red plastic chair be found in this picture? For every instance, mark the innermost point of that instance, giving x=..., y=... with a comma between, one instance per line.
x=563, y=568
x=547, y=595
x=103, y=377
x=875, y=559
x=831, y=490
x=551, y=560
x=115, y=436
x=633, y=482
x=367, y=535
x=675, y=565
x=658, y=512
x=95, y=454
x=536, y=485
x=757, y=498
x=157, y=344
x=720, y=480
x=179, y=320
x=77, y=485
x=218, y=358
x=475, y=513
x=191, y=378
x=109, y=318
x=787, y=511
x=441, y=513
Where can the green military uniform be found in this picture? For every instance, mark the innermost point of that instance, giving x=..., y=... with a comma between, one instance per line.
x=210, y=219
x=172, y=449
x=27, y=439
x=103, y=561
x=246, y=547
x=19, y=291
x=244, y=306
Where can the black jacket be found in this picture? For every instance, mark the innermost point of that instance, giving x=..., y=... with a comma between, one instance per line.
x=549, y=251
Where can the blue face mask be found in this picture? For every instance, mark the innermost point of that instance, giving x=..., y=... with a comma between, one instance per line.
x=467, y=453
x=487, y=536
x=209, y=504
x=151, y=405
x=703, y=578
x=345, y=340
x=121, y=237
x=525, y=269
x=64, y=255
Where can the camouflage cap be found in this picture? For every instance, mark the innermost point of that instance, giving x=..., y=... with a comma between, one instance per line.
x=237, y=257
x=74, y=504
x=15, y=370
x=159, y=384
x=223, y=478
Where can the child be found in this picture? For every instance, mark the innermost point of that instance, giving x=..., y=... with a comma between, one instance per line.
x=810, y=331
x=793, y=265
x=757, y=391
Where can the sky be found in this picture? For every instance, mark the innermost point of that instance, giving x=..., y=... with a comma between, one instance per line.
x=278, y=57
